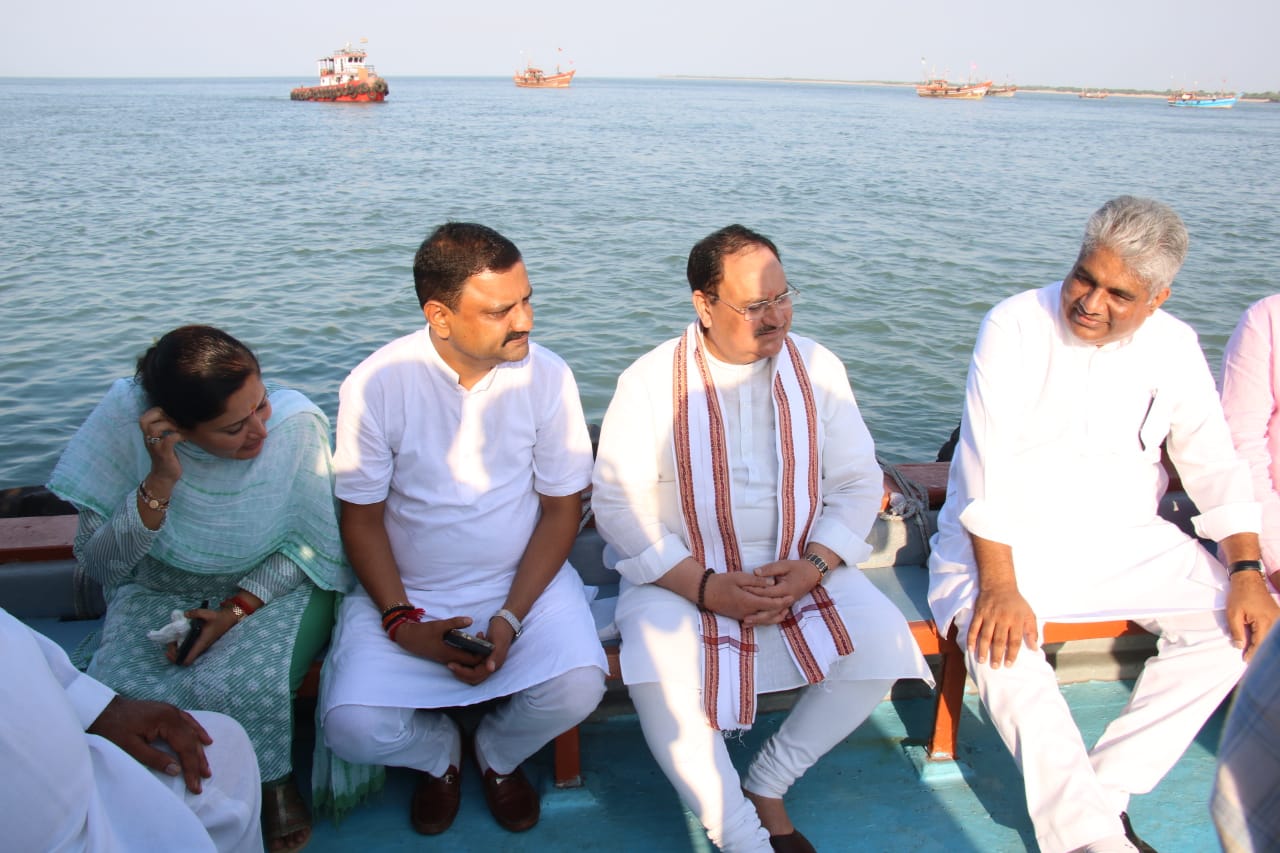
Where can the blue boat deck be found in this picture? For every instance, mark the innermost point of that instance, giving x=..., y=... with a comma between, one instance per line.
x=867, y=794
x=864, y=795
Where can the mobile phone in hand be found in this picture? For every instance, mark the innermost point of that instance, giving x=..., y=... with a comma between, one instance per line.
x=459, y=639
x=197, y=625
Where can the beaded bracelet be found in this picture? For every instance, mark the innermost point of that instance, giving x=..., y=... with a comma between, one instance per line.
x=399, y=618
x=702, y=588
x=392, y=613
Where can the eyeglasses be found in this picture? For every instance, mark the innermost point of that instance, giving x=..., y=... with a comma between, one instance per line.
x=756, y=310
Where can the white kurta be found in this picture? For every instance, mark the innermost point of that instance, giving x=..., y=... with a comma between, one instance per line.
x=1059, y=457
x=637, y=510
x=460, y=470
x=65, y=789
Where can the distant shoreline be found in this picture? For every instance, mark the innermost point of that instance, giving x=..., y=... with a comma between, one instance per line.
x=892, y=84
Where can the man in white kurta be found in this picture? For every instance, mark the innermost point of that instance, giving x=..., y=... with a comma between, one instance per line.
x=461, y=455
x=731, y=593
x=67, y=785
x=1051, y=516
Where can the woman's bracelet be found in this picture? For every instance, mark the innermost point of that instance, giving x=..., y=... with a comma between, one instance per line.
x=239, y=606
x=702, y=588
x=149, y=500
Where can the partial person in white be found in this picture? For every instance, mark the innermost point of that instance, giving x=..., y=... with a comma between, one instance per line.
x=86, y=769
x=1075, y=392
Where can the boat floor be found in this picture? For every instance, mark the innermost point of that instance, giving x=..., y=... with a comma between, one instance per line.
x=865, y=795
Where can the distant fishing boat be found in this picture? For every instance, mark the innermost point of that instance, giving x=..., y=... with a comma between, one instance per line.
x=1002, y=91
x=535, y=78
x=344, y=76
x=1220, y=101
x=938, y=87
x=1096, y=94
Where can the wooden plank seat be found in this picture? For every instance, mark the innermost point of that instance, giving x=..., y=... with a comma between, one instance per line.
x=898, y=569
x=38, y=584
x=907, y=587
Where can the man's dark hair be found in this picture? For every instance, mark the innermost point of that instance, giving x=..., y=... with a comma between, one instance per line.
x=706, y=258
x=191, y=371
x=452, y=254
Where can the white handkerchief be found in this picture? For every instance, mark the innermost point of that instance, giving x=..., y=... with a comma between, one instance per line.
x=174, y=632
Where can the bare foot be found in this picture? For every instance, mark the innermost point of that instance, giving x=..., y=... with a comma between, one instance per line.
x=773, y=814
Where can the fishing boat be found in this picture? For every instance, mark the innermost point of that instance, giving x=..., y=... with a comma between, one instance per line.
x=1002, y=91
x=1095, y=95
x=939, y=87
x=344, y=76
x=533, y=77
x=1219, y=101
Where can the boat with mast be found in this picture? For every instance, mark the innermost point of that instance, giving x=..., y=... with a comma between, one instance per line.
x=345, y=76
x=935, y=86
x=533, y=77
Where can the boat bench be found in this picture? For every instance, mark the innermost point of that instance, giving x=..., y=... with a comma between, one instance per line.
x=39, y=584
x=898, y=568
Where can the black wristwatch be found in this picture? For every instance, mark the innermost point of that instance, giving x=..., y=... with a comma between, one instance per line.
x=820, y=564
x=1244, y=566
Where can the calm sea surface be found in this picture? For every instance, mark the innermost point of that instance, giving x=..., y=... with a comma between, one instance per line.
x=131, y=207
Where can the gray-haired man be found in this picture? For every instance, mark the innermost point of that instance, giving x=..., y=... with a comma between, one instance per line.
x=1051, y=516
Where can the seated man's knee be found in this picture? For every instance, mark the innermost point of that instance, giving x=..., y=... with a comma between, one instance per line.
x=362, y=734
x=586, y=685
x=575, y=693
x=231, y=747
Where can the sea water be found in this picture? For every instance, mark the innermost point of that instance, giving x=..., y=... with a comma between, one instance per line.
x=133, y=206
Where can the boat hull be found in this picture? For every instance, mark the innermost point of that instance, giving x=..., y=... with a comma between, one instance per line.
x=373, y=91
x=1204, y=103
x=953, y=91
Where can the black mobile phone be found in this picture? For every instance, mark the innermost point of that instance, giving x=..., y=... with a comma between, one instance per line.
x=197, y=625
x=460, y=639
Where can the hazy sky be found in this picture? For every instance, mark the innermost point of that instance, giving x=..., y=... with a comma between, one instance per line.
x=1149, y=44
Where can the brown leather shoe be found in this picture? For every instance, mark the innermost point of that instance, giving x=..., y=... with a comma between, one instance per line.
x=512, y=800
x=792, y=842
x=435, y=801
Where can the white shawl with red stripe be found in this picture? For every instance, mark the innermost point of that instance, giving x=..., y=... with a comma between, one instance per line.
x=814, y=633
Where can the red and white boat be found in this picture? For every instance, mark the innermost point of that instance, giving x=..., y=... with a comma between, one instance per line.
x=344, y=76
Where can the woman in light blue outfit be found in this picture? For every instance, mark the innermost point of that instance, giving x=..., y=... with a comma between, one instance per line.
x=199, y=490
